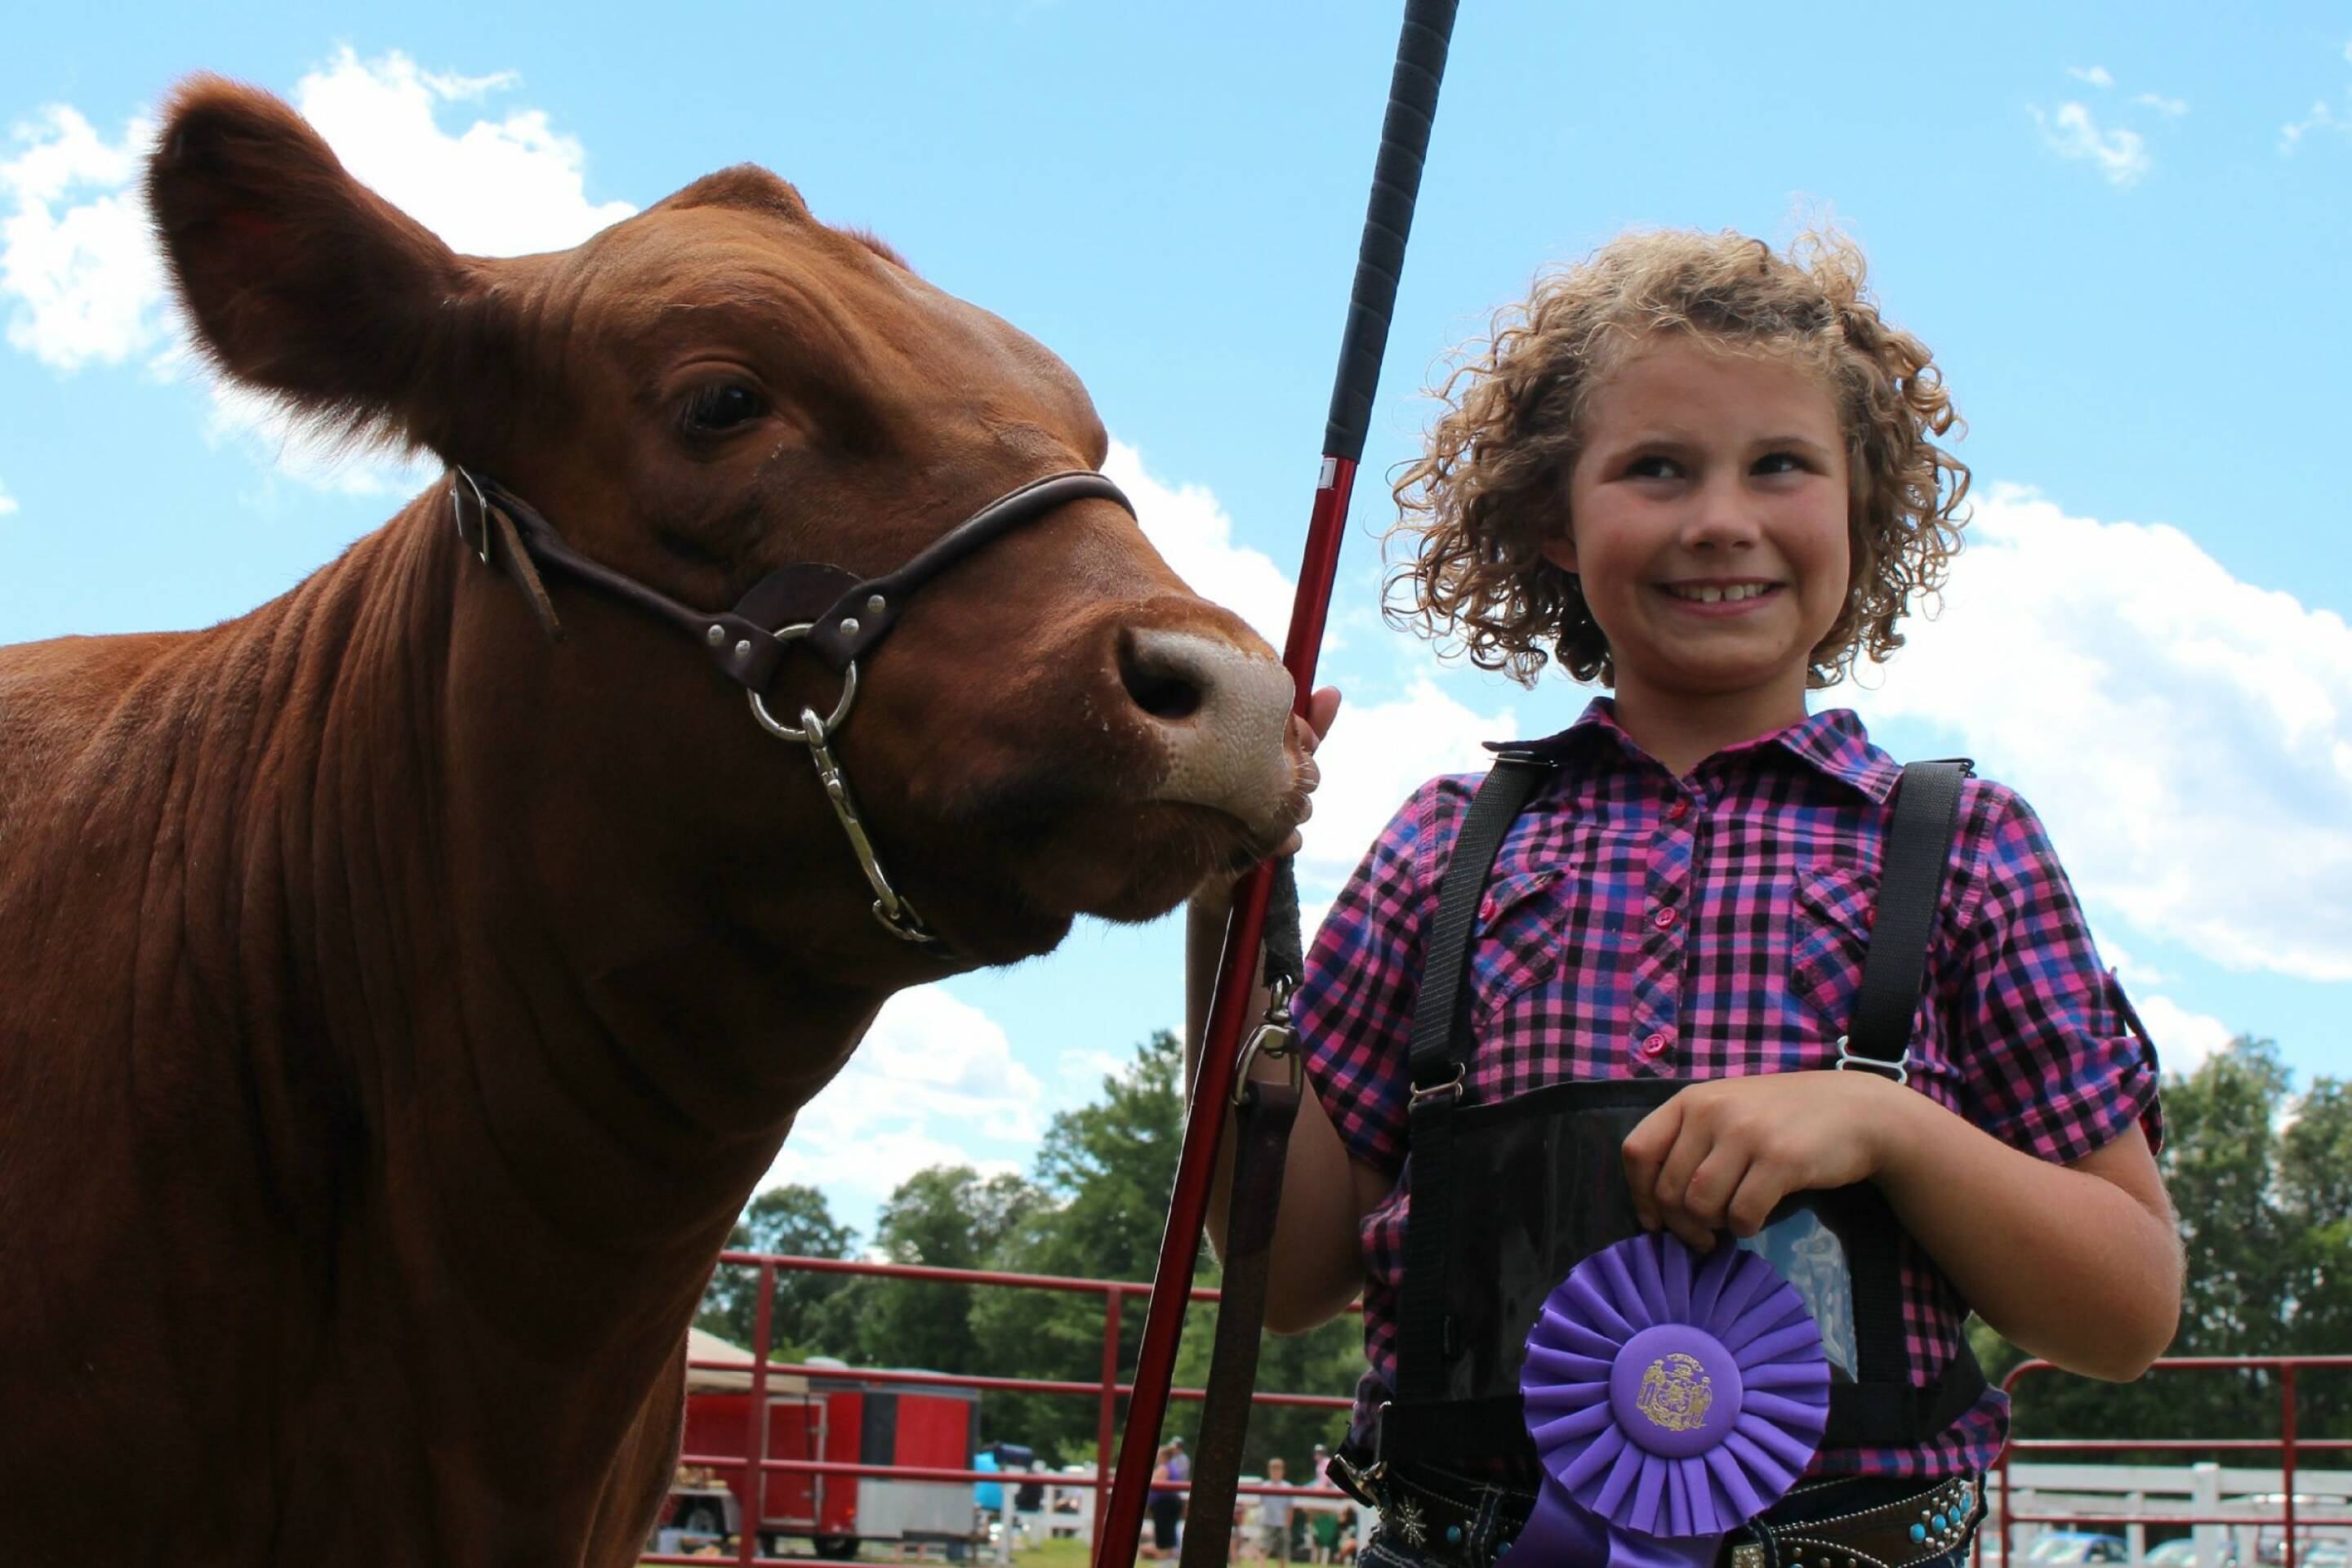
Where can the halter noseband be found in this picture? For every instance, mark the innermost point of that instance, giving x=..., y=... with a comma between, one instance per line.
x=750, y=643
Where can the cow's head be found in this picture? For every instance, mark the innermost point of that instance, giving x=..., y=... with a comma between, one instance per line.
x=715, y=387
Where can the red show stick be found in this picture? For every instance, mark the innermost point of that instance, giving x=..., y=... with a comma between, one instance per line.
x=1396, y=182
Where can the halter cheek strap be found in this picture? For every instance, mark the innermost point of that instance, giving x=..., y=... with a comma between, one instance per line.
x=749, y=643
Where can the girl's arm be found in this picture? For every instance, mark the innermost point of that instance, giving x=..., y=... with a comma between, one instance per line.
x=2079, y=1262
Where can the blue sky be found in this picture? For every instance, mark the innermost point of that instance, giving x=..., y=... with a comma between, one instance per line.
x=2121, y=229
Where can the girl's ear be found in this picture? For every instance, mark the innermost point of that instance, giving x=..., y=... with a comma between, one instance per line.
x=301, y=281
x=1560, y=547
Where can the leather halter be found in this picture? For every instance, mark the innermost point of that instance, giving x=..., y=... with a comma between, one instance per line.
x=749, y=644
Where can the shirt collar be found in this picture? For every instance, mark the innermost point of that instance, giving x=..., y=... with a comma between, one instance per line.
x=1832, y=743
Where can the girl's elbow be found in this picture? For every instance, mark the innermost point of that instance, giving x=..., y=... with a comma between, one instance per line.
x=2133, y=1342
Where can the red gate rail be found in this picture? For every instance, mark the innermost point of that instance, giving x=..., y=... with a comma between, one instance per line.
x=2286, y=1444
x=755, y=1466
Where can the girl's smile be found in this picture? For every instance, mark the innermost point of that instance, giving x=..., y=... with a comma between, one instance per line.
x=1713, y=597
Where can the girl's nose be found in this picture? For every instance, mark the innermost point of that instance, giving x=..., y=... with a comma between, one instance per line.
x=1722, y=517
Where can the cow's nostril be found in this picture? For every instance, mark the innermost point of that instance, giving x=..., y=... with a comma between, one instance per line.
x=1158, y=680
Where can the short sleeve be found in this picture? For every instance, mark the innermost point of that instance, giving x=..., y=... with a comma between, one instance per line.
x=2053, y=1061
x=1354, y=1007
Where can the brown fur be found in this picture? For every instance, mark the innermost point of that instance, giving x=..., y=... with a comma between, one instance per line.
x=397, y=1007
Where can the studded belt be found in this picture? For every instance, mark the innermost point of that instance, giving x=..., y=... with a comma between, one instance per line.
x=1893, y=1535
x=1450, y=1530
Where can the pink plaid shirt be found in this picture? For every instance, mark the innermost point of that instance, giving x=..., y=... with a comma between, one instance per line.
x=1641, y=926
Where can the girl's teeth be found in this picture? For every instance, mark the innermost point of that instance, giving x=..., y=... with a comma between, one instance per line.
x=1708, y=595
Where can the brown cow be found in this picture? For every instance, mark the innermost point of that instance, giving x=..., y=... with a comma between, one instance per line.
x=397, y=1003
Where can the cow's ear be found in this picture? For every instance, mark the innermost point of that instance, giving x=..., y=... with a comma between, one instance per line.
x=298, y=278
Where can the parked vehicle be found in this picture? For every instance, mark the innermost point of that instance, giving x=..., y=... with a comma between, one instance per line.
x=846, y=1420
x=2078, y=1546
x=2182, y=1553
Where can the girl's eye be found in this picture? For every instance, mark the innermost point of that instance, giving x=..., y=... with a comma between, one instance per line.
x=1780, y=463
x=1651, y=468
x=723, y=406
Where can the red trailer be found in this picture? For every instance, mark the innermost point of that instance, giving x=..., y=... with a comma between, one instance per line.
x=844, y=1419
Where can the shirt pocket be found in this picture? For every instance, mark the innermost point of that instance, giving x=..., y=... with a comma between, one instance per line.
x=1519, y=936
x=1829, y=933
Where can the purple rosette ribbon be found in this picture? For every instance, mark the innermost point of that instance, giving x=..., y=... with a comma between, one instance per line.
x=1671, y=1398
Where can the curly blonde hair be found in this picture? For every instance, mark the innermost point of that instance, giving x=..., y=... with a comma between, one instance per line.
x=1491, y=486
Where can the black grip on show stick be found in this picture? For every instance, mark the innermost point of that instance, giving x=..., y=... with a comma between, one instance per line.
x=1396, y=183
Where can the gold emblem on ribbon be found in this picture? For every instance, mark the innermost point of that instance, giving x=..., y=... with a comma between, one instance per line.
x=1676, y=1393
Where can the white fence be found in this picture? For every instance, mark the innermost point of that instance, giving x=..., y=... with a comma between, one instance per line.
x=2126, y=1500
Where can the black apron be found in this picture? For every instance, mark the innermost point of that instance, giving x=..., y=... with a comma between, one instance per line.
x=1508, y=1197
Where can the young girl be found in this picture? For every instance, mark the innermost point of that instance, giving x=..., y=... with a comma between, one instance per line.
x=1704, y=475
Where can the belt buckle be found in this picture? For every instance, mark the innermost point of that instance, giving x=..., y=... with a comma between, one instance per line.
x=1748, y=1554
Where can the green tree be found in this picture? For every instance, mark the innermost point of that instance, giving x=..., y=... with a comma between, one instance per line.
x=793, y=1221
x=2262, y=1183
x=948, y=1217
x=2316, y=1197
x=1108, y=1168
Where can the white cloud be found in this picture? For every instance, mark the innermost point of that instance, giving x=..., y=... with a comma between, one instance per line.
x=2137, y=977
x=2120, y=155
x=2186, y=736
x=2170, y=107
x=2183, y=1039
x=2324, y=116
x=2095, y=75
x=81, y=278
x=505, y=187
x=1374, y=758
x=1192, y=533
x=933, y=1075
x=7, y=502
x=86, y=284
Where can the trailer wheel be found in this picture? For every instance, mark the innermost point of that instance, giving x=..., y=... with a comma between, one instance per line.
x=838, y=1548
x=701, y=1518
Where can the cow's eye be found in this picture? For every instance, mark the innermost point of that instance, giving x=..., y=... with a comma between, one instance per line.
x=723, y=406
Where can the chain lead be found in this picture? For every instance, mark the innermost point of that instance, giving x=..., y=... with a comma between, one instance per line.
x=896, y=915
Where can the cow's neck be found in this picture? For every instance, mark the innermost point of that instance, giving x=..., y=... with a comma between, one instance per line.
x=648, y=994
x=583, y=1076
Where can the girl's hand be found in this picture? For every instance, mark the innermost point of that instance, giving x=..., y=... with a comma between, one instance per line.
x=1322, y=708
x=1307, y=734
x=1721, y=1155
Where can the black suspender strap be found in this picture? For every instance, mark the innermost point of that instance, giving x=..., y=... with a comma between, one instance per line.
x=1878, y=1040
x=1440, y=1020
x=1910, y=889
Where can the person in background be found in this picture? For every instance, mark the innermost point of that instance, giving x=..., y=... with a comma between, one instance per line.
x=1324, y=1524
x=1166, y=1505
x=1274, y=1514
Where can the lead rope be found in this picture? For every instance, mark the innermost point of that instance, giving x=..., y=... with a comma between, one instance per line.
x=1263, y=1113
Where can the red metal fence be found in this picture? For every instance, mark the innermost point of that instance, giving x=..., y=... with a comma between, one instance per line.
x=2288, y=1445
x=1108, y=1391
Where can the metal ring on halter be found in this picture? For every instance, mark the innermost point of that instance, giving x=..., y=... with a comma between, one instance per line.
x=769, y=721
x=457, y=514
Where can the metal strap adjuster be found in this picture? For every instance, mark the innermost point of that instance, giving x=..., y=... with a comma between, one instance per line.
x=1451, y=1090
x=1899, y=1069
